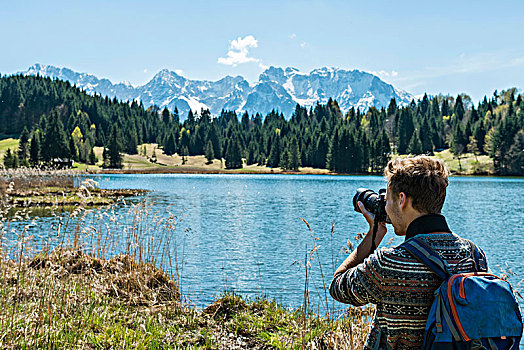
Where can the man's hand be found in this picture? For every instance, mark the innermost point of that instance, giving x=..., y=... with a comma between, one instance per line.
x=370, y=218
x=363, y=250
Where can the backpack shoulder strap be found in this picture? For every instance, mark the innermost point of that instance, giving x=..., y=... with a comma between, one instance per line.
x=478, y=256
x=427, y=255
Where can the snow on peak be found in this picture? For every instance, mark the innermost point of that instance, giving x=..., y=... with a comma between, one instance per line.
x=277, y=88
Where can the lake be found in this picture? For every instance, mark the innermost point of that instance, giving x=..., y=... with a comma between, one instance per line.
x=244, y=232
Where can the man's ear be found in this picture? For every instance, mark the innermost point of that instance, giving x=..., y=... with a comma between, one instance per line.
x=403, y=200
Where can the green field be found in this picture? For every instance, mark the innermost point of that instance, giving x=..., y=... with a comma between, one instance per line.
x=7, y=143
x=468, y=165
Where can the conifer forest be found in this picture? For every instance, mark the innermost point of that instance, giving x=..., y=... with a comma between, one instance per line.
x=53, y=119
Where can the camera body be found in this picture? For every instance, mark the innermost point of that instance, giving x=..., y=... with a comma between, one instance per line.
x=373, y=202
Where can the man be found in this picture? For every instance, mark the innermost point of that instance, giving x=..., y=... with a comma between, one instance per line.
x=401, y=287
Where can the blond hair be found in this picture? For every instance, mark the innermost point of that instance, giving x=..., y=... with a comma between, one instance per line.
x=421, y=178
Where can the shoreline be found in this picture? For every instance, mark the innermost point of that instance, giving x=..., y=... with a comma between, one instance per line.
x=67, y=197
x=243, y=171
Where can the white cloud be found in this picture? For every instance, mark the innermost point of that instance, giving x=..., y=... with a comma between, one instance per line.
x=515, y=62
x=477, y=63
x=292, y=36
x=145, y=70
x=303, y=44
x=239, y=51
x=179, y=71
x=385, y=74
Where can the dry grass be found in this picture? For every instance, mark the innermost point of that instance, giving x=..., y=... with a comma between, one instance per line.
x=31, y=179
x=33, y=187
x=160, y=162
x=34, y=178
x=94, y=281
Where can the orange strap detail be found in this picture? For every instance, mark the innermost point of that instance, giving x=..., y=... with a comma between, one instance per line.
x=462, y=294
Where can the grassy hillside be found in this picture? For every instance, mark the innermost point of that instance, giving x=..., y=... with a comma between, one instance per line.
x=7, y=143
x=468, y=164
x=152, y=158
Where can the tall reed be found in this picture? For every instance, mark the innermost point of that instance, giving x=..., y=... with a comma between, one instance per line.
x=88, y=266
x=348, y=326
x=110, y=278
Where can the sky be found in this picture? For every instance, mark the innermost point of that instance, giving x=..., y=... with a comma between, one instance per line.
x=434, y=47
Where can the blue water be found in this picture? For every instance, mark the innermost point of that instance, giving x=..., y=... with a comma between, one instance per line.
x=245, y=233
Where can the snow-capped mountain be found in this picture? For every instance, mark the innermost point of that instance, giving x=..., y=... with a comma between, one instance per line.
x=277, y=88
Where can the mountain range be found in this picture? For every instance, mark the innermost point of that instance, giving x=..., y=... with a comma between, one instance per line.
x=277, y=88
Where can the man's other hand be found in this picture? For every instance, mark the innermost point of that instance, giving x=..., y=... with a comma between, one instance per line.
x=370, y=217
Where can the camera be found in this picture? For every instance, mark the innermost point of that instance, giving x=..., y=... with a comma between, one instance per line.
x=373, y=202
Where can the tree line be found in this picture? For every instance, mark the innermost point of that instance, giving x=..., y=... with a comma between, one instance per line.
x=56, y=120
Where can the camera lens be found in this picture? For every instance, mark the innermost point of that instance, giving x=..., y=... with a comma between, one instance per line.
x=373, y=202
x=368, y=197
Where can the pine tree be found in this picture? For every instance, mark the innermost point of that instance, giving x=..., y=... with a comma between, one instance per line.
x=392, y=108
x=38, y=103
x=23, y=148
x=233, y=154
x=344, y=161
x=55, y=144
x=34, y=149
x=320, y=152
x=479, y=133
x=261, y=160
x=166, y=116
x=274, y=155
x=176, y=118
x=458, y=142
x=252, y=154
x=458, y=109
x=215, y=140
x=209, y=152
x=445, y=108
x=114, y=148
x=383, y=150
x=9, y=161
x=16, y=161
x=515, y=156
x=332, y=158
x=425, y=137
x=415, y=146
x=170, y=146
x=294, y=155
x=284, y=159
x=132, y=143
x=405, y=131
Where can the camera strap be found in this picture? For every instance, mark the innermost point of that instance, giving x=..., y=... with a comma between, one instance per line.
x=382, y=200
x=375, y=229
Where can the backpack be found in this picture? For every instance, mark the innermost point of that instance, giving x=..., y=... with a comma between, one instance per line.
x=475, y=310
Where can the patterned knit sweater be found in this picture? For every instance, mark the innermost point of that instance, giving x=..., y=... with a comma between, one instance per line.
x=401, y=288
